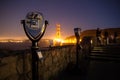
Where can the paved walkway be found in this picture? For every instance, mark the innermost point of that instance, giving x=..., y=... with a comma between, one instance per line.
x=103, y=64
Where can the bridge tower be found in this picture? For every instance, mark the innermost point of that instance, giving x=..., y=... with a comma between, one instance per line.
x=58, y=41
x=58, y=32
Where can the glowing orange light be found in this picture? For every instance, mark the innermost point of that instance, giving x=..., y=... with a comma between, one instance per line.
x=58, y=42
x=80, y=39
x=14, y=41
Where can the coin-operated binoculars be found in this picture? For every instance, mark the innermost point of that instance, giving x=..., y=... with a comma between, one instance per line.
x=34, y=27
x=77, y=32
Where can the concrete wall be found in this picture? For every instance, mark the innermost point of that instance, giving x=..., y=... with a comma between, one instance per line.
x=16, y=65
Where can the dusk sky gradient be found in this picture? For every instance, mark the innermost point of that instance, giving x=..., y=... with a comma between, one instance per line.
x=85, y=14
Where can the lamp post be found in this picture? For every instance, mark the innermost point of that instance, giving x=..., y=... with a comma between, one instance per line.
x=34, y=26
x=77, y=32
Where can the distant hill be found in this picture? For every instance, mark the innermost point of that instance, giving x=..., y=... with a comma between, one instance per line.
x=112, y=30
x=92, y=32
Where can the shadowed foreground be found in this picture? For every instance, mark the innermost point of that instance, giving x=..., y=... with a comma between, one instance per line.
x=102, y=64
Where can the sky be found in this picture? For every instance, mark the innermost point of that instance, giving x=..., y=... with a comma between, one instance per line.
x=85, y=14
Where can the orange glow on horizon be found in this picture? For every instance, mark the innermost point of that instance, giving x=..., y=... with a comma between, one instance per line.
x=58, y=42
x=12, y=41
x=13, y=38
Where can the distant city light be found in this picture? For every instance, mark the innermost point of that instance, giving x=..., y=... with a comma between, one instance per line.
x=91, y=41
x=14, y=41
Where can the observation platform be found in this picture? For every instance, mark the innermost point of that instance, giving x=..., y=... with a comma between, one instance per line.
x=101, y=63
